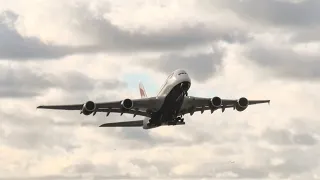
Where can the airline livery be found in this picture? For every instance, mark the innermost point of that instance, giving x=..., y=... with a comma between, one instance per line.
x=167, y=108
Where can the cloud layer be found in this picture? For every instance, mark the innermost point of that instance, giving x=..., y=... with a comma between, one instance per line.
x=57, y=52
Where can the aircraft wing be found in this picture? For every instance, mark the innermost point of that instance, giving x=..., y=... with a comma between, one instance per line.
x=129, y=106
x=138, y=123
x=193, y=104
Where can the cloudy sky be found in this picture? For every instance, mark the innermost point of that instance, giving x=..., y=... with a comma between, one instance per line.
x=57, y=52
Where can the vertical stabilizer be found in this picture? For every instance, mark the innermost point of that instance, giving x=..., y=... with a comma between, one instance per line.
x=142, y=90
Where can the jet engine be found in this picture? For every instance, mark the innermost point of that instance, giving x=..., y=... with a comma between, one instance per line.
x=127, y=104
x=88, y=108
x=242, y=104
x=216, y=102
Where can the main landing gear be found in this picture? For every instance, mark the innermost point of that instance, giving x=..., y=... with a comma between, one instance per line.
x=178, y=120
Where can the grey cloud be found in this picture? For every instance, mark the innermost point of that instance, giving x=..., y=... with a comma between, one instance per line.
x=286, y=63
x=93, y=169
x=305, y=125
x=297, y=161
x=299, y=18
x=166, y=41
x=18, y=82
x=32, y=138
x=16, y=47
x=109, y=38
x=79, y=81
x=25, y=131
x=201, y=66
x=163, y=167
x=285, y=137
x=304, y=14
x=21, y=82
x=113, y=170
x=304, y=139
x=305, y=35
x=136, y=138
x=73, y=177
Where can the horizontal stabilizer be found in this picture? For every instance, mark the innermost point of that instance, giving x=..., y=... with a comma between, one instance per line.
x=124, y=124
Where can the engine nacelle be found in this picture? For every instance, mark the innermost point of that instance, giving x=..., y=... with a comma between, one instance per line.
x=127, y=104
x=216, y=102
x=242, y=104
x=88, y=108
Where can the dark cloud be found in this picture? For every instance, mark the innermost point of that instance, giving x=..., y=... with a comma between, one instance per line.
x=286, y=62
x=19, y=81
x=201, y=66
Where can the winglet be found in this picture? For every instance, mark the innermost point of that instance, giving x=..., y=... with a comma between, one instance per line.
x=143, y=93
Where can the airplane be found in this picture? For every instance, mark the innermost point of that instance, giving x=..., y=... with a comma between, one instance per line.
x=166, y=109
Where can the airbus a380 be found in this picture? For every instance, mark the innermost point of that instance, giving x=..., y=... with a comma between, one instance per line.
x=167, y=108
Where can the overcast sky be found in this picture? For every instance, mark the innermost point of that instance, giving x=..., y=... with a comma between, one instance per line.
x=57, y=52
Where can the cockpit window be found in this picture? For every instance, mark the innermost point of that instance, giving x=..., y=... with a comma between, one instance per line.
x=182, y=73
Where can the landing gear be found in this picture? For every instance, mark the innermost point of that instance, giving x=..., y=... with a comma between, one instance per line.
x=184, y=88
x=177, y=120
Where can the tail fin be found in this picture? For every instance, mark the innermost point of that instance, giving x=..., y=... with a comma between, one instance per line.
x=142, y=90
